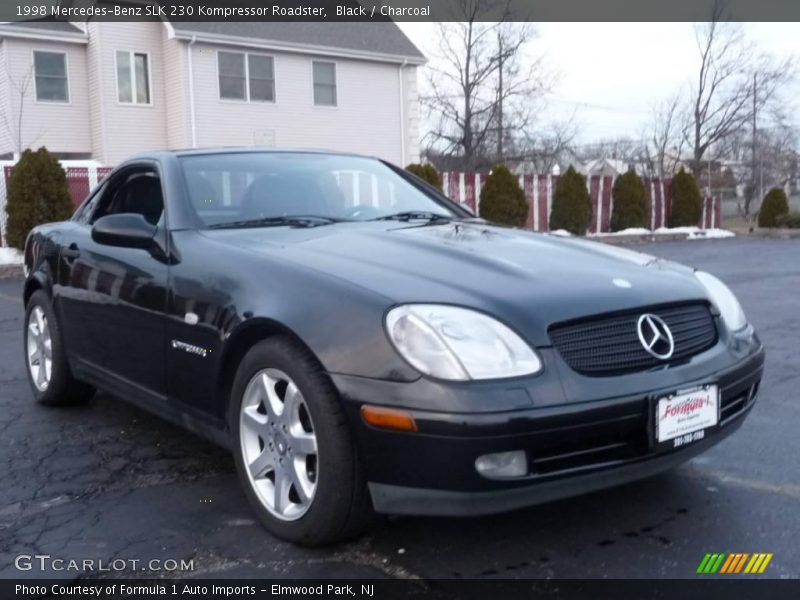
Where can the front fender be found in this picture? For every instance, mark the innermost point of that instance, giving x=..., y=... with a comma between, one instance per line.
x=341, y=323
x=40, y=262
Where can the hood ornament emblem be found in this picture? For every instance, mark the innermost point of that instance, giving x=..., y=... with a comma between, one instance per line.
x=655, y=336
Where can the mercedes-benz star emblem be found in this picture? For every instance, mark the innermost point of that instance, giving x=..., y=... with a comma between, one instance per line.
x=655, y=336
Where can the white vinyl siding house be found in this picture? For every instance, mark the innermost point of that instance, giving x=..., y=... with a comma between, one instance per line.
x=44, y=95
x=366, y=118
x=128, y=124
x=109, y=90
x=5, y=131
x=176, y=93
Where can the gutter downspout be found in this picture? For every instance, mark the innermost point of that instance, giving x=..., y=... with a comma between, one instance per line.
x=191, y=93
x=402, y=116
x=102, y=94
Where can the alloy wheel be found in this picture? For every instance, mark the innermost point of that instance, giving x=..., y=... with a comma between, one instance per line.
x=278, y=444
x=39, y=345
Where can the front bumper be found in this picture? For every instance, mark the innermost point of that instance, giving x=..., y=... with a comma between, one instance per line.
x=572, y=448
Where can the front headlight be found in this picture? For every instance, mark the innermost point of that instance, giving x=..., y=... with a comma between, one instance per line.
x=724, y=300
x=458, y=344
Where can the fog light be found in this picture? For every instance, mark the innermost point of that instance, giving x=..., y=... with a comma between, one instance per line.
x=502, y=465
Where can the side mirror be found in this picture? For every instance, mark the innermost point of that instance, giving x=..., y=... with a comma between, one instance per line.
x=127, y=230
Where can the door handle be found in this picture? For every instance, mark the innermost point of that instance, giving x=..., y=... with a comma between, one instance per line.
x=71, y=253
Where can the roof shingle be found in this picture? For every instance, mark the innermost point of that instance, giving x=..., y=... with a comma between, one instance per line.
x=61, y=26
x=381, y=38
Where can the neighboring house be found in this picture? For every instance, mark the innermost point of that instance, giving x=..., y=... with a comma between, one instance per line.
x=106, y=90
x=604, y=166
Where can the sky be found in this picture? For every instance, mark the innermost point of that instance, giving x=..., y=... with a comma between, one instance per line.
x=610, y=74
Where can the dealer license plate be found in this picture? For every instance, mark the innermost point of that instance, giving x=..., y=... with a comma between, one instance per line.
x=683, y=417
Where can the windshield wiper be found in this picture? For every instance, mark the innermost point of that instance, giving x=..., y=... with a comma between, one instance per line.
x=415, y=215
x=291, y=220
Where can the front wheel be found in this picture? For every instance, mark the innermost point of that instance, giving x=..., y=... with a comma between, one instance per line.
x=51, y=381
x=294, y=453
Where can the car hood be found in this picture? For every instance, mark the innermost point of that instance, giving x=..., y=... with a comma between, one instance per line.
x=528, y=280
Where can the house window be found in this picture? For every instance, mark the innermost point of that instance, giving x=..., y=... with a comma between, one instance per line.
x=50, y=71
x=232, y=76
x=324, y=83
x=246, y=77
x=261, y=76
x=133, y=77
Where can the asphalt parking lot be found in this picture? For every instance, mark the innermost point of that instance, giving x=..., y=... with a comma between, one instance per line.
x=110, y=481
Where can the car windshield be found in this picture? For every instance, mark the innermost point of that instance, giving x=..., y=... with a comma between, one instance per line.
x=273, y=188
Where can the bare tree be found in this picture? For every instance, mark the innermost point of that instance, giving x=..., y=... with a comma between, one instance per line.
x=13, y=123
x=776, y=141
x=478, y=85
x=778, y=147
x=519, y=82
x=662, y=140
x=733, y=84
x=541, y=150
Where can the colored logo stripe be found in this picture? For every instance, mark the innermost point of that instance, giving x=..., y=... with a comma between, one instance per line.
x=740, y=564
x=734, y=562
x=727, y=564
x=758, y=563
x=711, y=563
x=703, y=563
x=732, y=558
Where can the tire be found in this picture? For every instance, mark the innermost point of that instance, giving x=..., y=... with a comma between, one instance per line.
x=51, y=381
x=323, y=497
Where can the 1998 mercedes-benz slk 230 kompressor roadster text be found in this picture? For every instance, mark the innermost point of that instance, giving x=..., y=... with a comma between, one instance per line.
x=363, y=345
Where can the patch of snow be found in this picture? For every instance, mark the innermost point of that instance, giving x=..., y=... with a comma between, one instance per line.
x=628, y=231
x=10, y=256
x=670, y=230
x=695, y=233
x=80, y=163
x=560, y=232
x=704, y=234
x=692, y=233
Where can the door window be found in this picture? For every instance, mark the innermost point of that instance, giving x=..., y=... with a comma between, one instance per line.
x=84, y=213
x=137, y=192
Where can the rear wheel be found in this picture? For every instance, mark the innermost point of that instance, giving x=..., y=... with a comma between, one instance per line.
x=51, y=381
x=294, y=453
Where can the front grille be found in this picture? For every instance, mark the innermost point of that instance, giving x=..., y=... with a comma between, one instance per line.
x=733, y=404
x=592, y=451
x=599, y=437
x=625, y=437
x=609, y=345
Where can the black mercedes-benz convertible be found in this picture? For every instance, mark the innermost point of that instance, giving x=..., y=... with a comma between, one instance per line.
x=362, y=344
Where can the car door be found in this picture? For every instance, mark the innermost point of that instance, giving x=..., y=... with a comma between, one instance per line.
x=112, y=299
